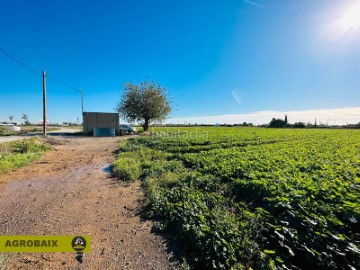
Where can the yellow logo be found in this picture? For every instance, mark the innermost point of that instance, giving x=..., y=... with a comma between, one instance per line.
x=28, y=243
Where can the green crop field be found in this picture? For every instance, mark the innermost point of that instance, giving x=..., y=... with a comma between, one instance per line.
x=253, y=198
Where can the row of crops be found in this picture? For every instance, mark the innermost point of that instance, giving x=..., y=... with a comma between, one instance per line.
x=252, y=198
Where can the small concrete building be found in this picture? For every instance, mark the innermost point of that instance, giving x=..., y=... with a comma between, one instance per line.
x=101, y=124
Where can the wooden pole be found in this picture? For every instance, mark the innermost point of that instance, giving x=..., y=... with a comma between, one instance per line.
x=44, y=103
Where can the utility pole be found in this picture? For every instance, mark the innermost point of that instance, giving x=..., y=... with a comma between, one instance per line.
x=44, y=103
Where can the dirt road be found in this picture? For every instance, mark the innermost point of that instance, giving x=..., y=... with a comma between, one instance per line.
x=70, y=192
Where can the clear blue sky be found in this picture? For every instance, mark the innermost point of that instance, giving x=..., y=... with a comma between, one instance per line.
x=214, y=57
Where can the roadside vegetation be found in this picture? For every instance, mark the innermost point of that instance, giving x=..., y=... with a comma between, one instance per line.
x=252, y=198
x=19, y=153
x=7, y=131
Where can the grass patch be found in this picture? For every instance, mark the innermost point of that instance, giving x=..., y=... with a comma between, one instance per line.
x=127, y=168
x=131, y=159
x=16, y=154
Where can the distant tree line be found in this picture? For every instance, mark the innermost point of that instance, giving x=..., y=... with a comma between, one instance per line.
x=279, y=123
x=275, y=123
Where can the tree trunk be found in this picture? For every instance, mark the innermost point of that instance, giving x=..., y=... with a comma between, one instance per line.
x=146, y=124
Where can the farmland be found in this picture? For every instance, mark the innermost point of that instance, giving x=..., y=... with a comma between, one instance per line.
x=7, y=130
x=255, y=198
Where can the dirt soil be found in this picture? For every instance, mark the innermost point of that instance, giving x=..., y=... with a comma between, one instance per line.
x=70, y=192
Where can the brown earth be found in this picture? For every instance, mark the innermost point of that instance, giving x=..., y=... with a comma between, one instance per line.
x=70, y=192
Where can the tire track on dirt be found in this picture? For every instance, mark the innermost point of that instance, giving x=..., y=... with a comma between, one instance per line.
x=69, y=192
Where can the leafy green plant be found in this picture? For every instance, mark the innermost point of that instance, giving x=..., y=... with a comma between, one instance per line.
x=242, y=198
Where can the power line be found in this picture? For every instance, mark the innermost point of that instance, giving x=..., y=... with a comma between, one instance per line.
x=19, y=62
x=38, y=72
x=62, y=83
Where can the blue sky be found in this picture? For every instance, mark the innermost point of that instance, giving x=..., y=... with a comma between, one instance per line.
x=215, y=58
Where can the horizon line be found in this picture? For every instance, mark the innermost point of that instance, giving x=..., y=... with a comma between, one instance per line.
x=337, y=116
